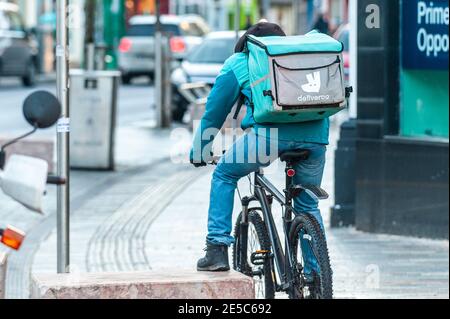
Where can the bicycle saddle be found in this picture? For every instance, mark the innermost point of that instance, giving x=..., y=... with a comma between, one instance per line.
x=295, y=156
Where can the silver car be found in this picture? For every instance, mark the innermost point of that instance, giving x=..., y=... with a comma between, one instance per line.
x=18, y=47
x=203, y=64
x=137, y=51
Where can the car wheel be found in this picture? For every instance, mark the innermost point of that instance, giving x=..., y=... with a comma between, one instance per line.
x=29, y=79
x=178, y=115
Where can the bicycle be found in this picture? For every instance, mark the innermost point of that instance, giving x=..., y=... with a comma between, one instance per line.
x=258, y=252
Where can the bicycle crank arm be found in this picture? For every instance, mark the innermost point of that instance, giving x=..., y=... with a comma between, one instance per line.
x=258, y=273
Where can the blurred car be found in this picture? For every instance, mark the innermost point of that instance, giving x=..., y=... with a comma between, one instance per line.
x=18, y=47
x=343, y=35
x=137, y=48
x=203, y=64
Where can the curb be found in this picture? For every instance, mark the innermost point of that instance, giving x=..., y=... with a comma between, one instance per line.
x=174, y=284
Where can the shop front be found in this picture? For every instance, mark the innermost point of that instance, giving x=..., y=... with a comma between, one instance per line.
x=400, y=175
x=424, y=72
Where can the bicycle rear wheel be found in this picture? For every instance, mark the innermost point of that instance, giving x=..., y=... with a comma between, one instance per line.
x=257, y=240
x=306, y=227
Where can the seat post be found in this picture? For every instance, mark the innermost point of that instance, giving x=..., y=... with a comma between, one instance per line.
x=292, y=158
x=289, y=182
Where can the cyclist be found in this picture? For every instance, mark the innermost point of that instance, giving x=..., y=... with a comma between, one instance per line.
x=233, y=82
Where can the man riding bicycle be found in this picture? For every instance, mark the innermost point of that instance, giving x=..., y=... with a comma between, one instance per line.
x=232, y=83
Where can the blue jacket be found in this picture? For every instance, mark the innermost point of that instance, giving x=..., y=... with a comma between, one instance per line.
x=231, y=82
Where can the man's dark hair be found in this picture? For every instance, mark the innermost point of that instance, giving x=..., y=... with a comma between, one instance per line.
x=262, y=29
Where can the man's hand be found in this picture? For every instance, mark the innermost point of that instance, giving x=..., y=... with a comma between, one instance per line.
x=198, y=164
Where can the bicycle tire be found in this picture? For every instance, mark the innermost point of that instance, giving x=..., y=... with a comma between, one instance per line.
x=256, y=221
x=323, y=283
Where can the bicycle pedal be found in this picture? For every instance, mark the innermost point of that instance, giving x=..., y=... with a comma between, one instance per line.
x=317, y=191
x=259, y=258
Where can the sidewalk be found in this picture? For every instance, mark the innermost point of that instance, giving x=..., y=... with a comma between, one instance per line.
x=151, y=215
x=142, y=154
x=365, y=265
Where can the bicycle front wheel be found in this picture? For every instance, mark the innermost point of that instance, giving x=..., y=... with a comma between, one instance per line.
x=307, y=235
x=255, y=240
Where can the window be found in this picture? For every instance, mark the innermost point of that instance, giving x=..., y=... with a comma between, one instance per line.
x=212, y=51
x=15, y=22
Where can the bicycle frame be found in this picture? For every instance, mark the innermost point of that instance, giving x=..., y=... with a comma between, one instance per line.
x=264, y=193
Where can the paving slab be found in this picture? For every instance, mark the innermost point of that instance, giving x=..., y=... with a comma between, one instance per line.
x=366, y=266
x=171, y=284
x=156, y=217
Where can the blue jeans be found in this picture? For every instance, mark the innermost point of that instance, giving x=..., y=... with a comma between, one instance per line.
x=229, y=171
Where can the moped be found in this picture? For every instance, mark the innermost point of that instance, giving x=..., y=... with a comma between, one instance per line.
x=24, y=178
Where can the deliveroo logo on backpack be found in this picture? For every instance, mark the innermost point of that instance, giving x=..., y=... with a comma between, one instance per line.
x=314, y=83
x=313, y=86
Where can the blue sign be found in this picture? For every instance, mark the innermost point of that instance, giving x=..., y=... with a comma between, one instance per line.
x=425, y=41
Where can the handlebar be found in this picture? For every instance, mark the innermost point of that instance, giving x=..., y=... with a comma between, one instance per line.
x=215, y=160
x=56, y=180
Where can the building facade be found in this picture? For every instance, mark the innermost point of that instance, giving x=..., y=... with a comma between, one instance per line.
x=400, y=173
x=295, y=16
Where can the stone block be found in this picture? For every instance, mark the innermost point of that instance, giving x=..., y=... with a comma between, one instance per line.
x=174, y=284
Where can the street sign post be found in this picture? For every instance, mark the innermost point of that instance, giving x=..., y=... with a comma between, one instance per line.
x=158, y=69
x=162, y=73
x=237, y=19
x=63, y=137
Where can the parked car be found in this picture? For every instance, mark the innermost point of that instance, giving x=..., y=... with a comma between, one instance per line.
x=18, y=47
x=203, y=64
x=343, y=35
x=137, y=51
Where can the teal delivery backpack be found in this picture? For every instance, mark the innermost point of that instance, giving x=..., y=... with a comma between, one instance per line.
x=296, y=79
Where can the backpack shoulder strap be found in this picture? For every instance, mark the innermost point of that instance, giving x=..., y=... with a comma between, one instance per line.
x=242, y=97
x=240, y=104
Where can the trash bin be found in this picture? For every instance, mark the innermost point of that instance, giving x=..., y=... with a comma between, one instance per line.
x=93, y=104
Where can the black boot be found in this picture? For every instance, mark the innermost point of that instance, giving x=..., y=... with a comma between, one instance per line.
x=216, y=259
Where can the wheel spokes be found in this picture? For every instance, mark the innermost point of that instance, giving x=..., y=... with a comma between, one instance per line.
x=308, y=291
x=253, y=246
